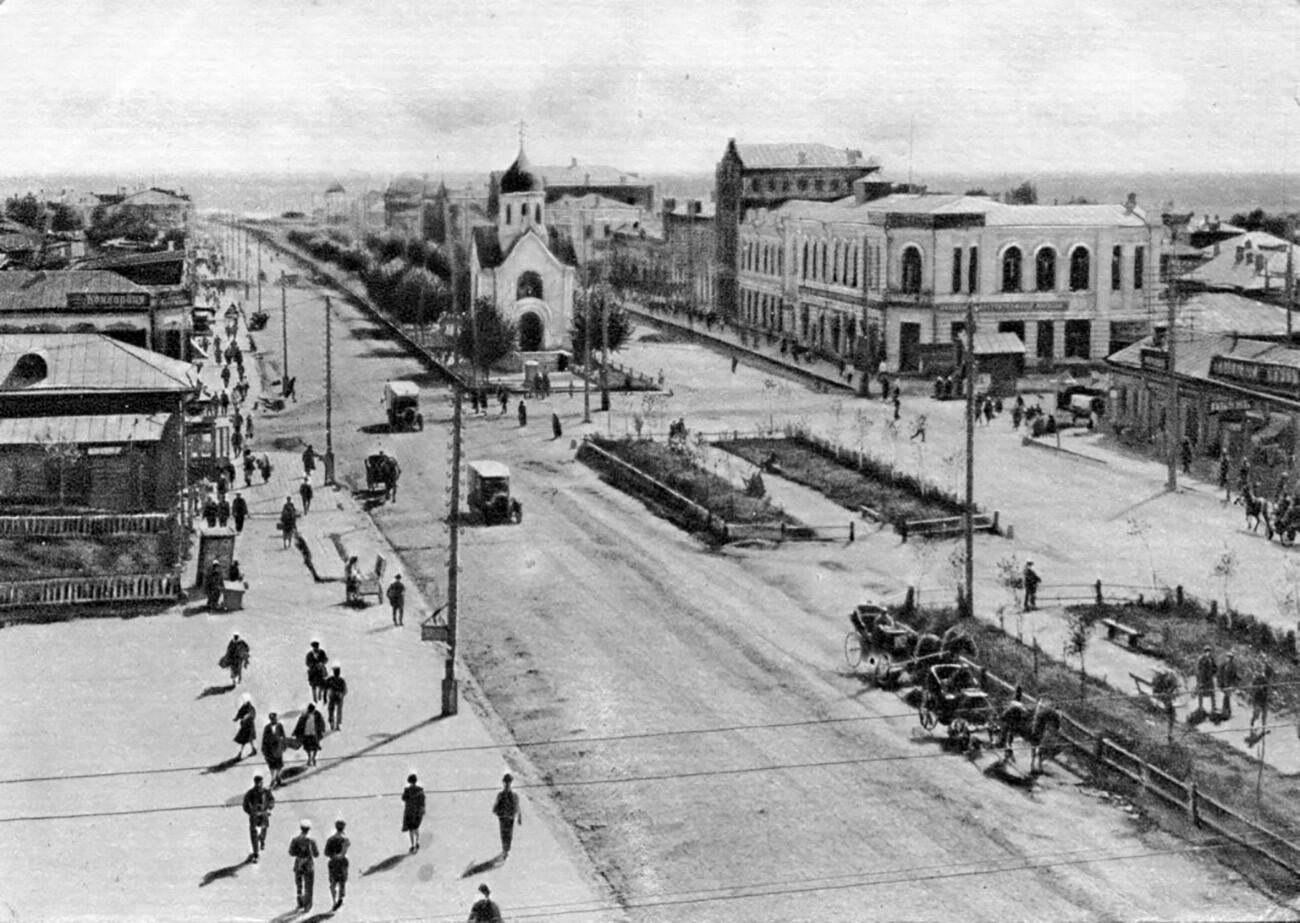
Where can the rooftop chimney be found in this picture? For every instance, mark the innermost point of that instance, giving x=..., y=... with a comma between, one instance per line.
x=573, y=162
x=669, y=204
x=1130, y=203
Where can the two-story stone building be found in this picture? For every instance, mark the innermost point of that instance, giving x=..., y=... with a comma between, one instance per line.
x=874, y=280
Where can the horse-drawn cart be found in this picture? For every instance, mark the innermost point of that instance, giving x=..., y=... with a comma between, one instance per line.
x=950, y=696
x=896, y=654
x=382, y=473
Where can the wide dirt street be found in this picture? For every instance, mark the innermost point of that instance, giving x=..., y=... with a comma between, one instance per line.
x=691, y=709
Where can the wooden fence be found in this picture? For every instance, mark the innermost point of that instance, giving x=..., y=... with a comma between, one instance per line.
x=944, y=527
x=67, y=591
x=1203, y=810
x=684, y=507
x=95, y=524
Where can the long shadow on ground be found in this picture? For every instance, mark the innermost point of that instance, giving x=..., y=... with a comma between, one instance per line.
x=230, y=871
x=386, y=865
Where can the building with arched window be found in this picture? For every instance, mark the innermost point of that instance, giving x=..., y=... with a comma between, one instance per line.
x=521, y=265
x=875, y=281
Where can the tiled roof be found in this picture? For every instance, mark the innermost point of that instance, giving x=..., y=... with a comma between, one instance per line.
x=156, y=197
x=1227, y=270
x=1000, y=214
x=588, y=174
x=27, y=291
x=91, y=362
x=590, y=200
x=562, y=247
x=488, y=246
x=83, y=429
x=1194, y=352
x=786, y=156
x=117, y=260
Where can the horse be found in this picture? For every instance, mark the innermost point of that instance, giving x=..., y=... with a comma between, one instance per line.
x=1040, y=728
x=1256, y=509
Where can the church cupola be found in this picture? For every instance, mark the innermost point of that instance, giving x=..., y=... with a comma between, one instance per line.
x=522, y=200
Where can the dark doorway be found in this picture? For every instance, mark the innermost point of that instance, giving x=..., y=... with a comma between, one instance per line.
x=1046, y=347
x=909, y=338
x=531, y=331
x=529, y=286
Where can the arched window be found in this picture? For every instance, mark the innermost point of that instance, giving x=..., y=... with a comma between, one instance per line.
x=508, y=207
x=537, y=215
x=805, y=259
x=1080, y=269
x=835, y=263
x=853, y=277
x=529, y=285
x=1045, y=270
x=1011, y=269
x=825, y=273
x=911, y=280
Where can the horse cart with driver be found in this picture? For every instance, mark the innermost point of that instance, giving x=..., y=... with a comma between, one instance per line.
x=896, y=654
x=951, y=696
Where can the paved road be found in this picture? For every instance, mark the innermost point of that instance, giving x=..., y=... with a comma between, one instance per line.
x=734, y=773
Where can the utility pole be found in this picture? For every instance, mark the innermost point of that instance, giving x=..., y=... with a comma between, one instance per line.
x=284, y=336
x=329, y=393
x=604, y=348
x=1172, y=294
x=450, y=700
x=968, y=521
x=259, y=275
x=586, y=355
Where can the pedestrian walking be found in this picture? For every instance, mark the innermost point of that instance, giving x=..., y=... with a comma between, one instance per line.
x=225, y=376
x=317, y=662
x=473, y=401
x=918, y=428
x=258, y=804
x=214, y=585
x=898, y=404
x=239, y=511
x=309, y=731
x=305, y=492
x=288, y=522
x=224, y=402
x=247, y=733
x=308, y=461
x=1206, y=668
x=249, y=427
x=249, y=465
x=413, y=811
x=223, y=484
x=336, y=863
x=273, y=744
x=304, y=851
x=223, y=512
x=508, y=813
x=735, y=361
x=235, y=659
x=556, y=430
x=291, y=390
x=1185, y=455
x=1032, y=580
x=237, y=440
x=523, y=413
x=1259, y=690
x=988, y=412
x=265, y=467
x=336, y=690
x=210, y=511
x=1223, y=476
x=1228, y=680
x=504, y=397
x=397, y=599
x=485, y=910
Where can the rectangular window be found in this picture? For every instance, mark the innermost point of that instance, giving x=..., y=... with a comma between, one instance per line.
x=1046, y=347
x=1078, y=339
x=956, y=270
x=958, y=332
x=1139, y=266
x=973, y=273
x=1116, y=268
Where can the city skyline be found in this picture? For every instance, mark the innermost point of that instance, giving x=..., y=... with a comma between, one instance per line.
x=330, y=86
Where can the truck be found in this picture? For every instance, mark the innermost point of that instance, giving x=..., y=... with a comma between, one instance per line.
x=402, y=401
x=489, y=493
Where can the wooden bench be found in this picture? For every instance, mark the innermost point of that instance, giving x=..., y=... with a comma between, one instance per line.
x=372, y=583
x=1132, y=637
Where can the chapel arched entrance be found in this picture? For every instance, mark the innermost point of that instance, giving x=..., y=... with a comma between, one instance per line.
x=532, y=332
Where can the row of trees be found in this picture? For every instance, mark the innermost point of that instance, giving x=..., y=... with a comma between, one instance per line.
x=32, y=212
x=1260, y=220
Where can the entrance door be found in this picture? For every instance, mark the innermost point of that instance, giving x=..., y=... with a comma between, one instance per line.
x=531, y=332
x=909, y=341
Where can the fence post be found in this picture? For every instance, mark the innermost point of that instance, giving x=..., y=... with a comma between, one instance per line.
x=1035, y=660
x=850, y=531
x=1178, y=595
x=1193, y=810
x=1097, y=588
x=995, y=522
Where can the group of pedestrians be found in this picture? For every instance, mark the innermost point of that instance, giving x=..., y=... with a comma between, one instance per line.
x=1226, y=676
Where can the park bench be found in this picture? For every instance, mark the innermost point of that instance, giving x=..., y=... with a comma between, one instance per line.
x=372, y=583
x=1132, y=637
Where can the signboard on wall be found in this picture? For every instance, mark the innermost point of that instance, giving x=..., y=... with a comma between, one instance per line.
x=1156, y=360
x=108, y=301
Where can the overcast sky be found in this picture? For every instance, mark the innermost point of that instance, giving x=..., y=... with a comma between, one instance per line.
x=387, y=85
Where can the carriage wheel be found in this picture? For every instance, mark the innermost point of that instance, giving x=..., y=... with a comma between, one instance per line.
x=853, y=649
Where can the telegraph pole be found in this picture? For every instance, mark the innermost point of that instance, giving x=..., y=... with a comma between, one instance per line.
x=259, y=275
x=284, y=335
x=1173, y=294
x=968, y=521
x=329, y=393
x=450, y=701
x=586, y=356
x=604, y=360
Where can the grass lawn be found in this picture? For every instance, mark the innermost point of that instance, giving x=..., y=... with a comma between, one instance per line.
x=32, y=558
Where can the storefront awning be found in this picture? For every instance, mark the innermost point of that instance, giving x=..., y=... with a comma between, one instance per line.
x=84, y=429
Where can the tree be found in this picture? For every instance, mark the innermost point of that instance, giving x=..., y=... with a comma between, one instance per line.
x=496, y=335
x=26, y=210
x=1259, y=220
x=979, y=190
x=1079, y=633
x=1024, y=194
x=420, y=297
x=66, y=218
x=1225, y=568
x=620, y=327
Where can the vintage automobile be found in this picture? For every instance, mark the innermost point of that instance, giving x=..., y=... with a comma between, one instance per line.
x=402, y=401
x=489, y=493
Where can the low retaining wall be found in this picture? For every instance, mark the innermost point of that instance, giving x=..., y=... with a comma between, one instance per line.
x=69, y=591
x=95, y=524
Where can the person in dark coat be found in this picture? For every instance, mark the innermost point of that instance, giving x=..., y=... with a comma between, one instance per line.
x=523, y=413
x=556, y=430
x=413, y=812
x=304, y=851
x=336, y=859
x=306, y=493
x=336, y=690
x=273, y=743
x=236, y=658
x=225, y=402
x=223, y=512
x=317, y=661
x=308, y=461
x=485, y=910
x=898, y=404
x=247, y=733
x=1032, y=580
x=288, y=522
x=258, y=804
x=1206, y=669
x=504, y=397
x=210, y=511
x=264, y=465
x=397, y=599
x=215, y=584
x=239, y=508
x=1229, y=677
x=506, y=808
x=309, y=731
x=225, y=375
x=249, y=465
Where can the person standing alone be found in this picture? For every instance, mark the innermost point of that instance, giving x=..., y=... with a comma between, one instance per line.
x=336, y=689
x=397, y=599
x=1032, y=580
x=508, y=813
x=413, y=812
x=258, y=802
